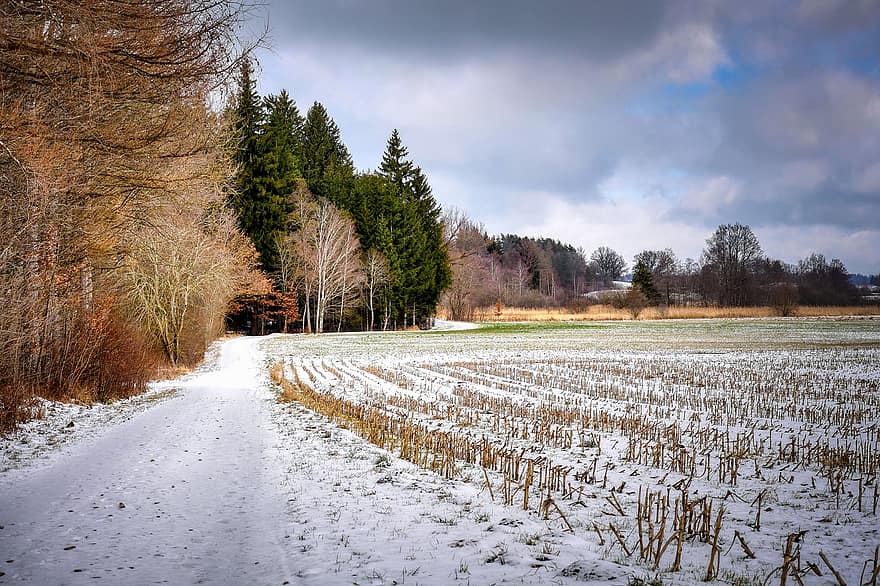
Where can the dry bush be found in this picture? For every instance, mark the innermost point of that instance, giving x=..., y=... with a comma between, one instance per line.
x=181, y=276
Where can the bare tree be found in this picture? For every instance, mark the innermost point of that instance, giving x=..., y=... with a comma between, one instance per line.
x=468, y=288
x=609, y=264
x=376, y=276
x=729, y=259
x=181, y=275
x=470, y=263
x=328, y=250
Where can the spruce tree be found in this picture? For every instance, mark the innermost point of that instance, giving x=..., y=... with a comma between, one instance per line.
x=267, y=134
x=326, y=163
x=246, y=115
x=421, y=271
x=276, y=170
x=395, y=166
x=643, y=281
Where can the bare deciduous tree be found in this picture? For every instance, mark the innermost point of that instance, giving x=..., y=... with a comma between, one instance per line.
x=180, y=277
x=376, y=276
x=328, y=250
x=609, y=264
x=729, y=258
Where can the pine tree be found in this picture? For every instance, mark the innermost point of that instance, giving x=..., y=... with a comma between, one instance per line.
x=643, y=281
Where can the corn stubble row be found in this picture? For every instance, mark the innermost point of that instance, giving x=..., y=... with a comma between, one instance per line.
x=663, y=458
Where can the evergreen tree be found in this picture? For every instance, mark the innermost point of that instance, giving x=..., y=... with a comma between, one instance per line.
x=435, y=274
x=265, y=135
x=419, y=263
x=326, y=163
x=643, y=281
x=395, y=166
x=247, y=115
x=276, y=170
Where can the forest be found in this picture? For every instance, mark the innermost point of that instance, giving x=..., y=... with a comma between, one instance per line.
x=344, y=249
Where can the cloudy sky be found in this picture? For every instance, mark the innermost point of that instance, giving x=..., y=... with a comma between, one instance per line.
x=628, y=124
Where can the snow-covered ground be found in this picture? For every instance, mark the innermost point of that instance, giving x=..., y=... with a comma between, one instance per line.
x=189, y=491
x=445, y=325
x=210, y=479
x=219, y=483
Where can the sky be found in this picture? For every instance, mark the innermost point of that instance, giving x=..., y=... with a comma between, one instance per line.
x=634, y=125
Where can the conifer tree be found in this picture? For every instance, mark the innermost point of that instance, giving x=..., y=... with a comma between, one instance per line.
x=326, y=163
x=395, y=166
x=420, y=266
x=267, y=134
x=247, y=116
x=643, y=281
x=276, y=170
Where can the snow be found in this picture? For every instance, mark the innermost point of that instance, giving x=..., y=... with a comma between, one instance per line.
x=188, y=491
x=221, y=484
x=443, y=325
x=209, y=478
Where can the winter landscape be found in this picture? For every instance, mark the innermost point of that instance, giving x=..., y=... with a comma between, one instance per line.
x=735, y=450
x=382, y=292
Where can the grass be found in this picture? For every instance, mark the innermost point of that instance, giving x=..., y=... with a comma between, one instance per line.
x=608, y=313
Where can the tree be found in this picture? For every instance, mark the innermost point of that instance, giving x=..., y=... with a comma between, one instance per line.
x=376, y=276
x=470, y=262
x=663, y=266
x=395, y=166
x=325, y=161
x=267, y=137
x=181, y=275
x=328, y=249
x=104, y=126
x=643, y=281
x=609, y=264
x=824, y=283
x=419, y=262
x=729, y=258
x=275, y=173
x=783, y=298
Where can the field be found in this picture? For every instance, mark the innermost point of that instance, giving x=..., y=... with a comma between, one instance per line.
x=601, y=312
x=741, y=451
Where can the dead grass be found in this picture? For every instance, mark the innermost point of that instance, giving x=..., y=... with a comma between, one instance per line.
x=606, y=312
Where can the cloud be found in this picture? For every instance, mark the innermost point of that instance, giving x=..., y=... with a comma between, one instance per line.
x=701, y=114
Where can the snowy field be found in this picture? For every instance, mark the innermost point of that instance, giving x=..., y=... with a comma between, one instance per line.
x=523, y=453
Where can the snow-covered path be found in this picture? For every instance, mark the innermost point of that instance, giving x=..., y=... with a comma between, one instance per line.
x=189, y=491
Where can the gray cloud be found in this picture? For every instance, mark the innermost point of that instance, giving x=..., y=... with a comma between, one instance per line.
x=767, y=113
x=440, y=29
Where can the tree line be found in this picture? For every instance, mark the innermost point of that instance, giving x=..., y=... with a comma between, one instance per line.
x=539, y=272
x=344, y=249
x=118, y=252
